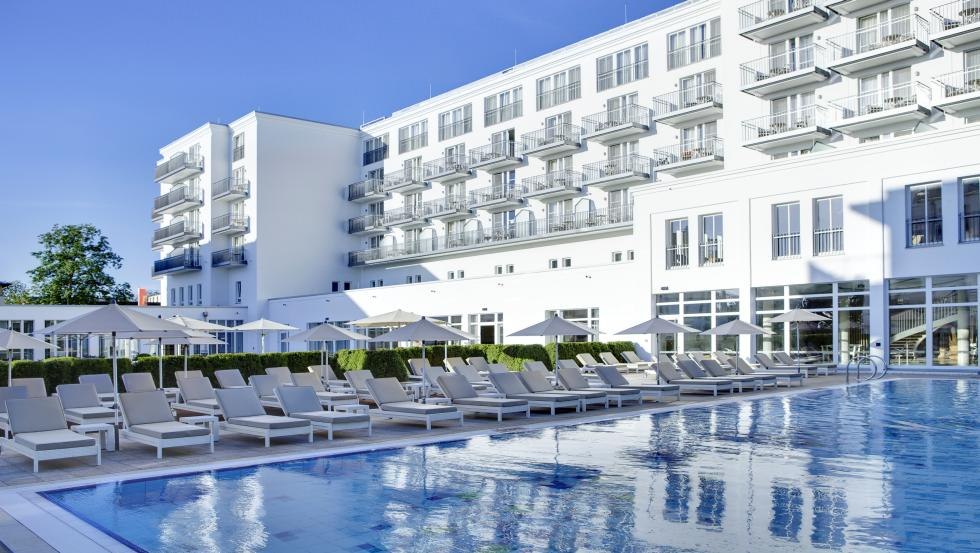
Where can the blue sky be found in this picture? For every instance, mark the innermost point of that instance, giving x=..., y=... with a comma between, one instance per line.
x=89, y=91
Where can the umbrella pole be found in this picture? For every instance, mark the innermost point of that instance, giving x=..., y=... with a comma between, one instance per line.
x=556, y=354
x=115, y=367
x=160, y=359
x=656, y=353
x=187, y=349
x=798, y=347
x=10, y=368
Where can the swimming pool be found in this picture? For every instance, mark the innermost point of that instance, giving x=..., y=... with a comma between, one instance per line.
x=883, y=467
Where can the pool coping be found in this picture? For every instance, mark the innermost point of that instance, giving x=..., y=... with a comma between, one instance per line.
x=67, y=532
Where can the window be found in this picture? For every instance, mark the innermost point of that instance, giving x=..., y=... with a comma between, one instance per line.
x=283, y=344
x=414, y=136
x=710, y=244
x=180, y=292
x=883, y=28
x=335, y=286
x=586, y=317
x=882, y=91
x=786, y=230
x=924, y=214
x=828, y=225
x=677, y=241
x=566, y=262
x=408, y=279
x=617, y=257
x=460, y=273
x=502, y=106
x=622, y=67
x=237, y=147
x=701, y=310
x=498, y=270
x=552, y=263
x=190, y=294
x=456, y=122
x=238, y=291
x=700, y=42
x=510, y=269
x=970, y=200
x=559, y=88
x=630, y=255
x=24, y=326
x=375, y=149
x=238, y=176
x=173, y=297
x=933, y=321
x=418, y=278
x=200, y=295
x=373, y=284
x=452, y=275
x=346, y=286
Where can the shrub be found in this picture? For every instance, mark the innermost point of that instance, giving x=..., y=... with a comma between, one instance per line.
x=382, y=362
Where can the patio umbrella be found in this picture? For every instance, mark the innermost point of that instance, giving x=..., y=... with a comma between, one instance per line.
x=11, y=339
x=655, y=327
x=263, y=327
x=197, y=324
x=425, y=330
x=326, y=332
x=555, y=326
x=797, y=316
x=192, y=339
x=736, y=328
x=203, y=327
x=390, y=319
x=113, y=320
x=183, y=333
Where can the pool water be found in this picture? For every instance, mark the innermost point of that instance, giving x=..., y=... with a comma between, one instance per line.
x=890, y=466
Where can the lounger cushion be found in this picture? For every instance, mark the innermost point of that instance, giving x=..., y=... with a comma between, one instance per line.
x=497, y=368
x=478, y=363
x=572, y=379
x=610, y=359
x=170, y=430
x=535, y=381
x=535, y=366
x=452, y=363
x=335, y=396
x=584, y=394
x=617, y=391
x=490, y=402
x=53, y=439
x=432, y=374
x=12, y=392
x=611, y=377
x=387, y=390
x=229, y=378
x=568, y=364
x=88, y=413
x=102, y=382
x=239, y=402
x=298, y=399
x=508, y=383
x=138, y=382
x=456, y=387
x=204, y=403
x=145, y=407
x=307, y=379
x=587, y=360
x=269, y=422
x=194, y=388
x=547, y=398
x=656, y=387
x=417, y=408
x=78, y=395
x=265, y=384
x=282, y=374
x=36, y=414
x=35, y=386
x=358, y=379
x=188, y=374
x=331, y=417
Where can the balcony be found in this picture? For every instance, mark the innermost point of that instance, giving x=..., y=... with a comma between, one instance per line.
x=678, y=257
x=366, y=225
x=828, y=241
x=367, y=191
x=780, y=132
x=496, y=156
x=956, y=24
x=601, y=220
x=688, y=107
x=880, y=111
x=406, y=181
x=765, y=20
x=618, y=172
x=179, y=167
x=553, y=186
x=616, y=125
x=689, y=157
x=231, y=257
x=450, y=208
x=447, y=169
x=959, y=93
x=552, y=141
x=895, y=41
x=178, y=233
x=847, y=7
x=229, y=223
x=496, y=198
x=178, y=200
x=231, y=188
x=773, y=76
x=786, y=246
x=185, y=261
x=405, y=218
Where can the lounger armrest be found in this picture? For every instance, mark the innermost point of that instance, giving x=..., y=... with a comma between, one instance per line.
x=198, y=419
x=98, y=428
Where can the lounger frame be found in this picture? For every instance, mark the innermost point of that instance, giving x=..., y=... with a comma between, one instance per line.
x=51, y=454
x=163, y=443
x=268, y=433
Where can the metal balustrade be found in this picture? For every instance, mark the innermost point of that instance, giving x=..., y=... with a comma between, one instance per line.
x=591, y=220
x=495, y=193
x=954, y=15
x=707, y=93
x=230, y=186
x=711, y=252
x=190, y=194
x=828, y=241
x=631, y=114
x=445, y=205
x=772, y=67
x=958, y=83
x=556, y=180
x=455, y=128
x=882, y=35
x=186, y=260
x=786, y=246
x=178, y=163
x=365, y=188
x=559, y=95
x=687, y=151
x=970, y=227
x=678, y=257
x=880, y=101
x=629, y=164
x=446, y=165
x=494, y=152
x=406, y=177
x=565, y=133
x=227, y=257
x=778, y=123
x=365, y=223
x=229, y=222
x=693, y=53
x=178, y=229
x=767, y=10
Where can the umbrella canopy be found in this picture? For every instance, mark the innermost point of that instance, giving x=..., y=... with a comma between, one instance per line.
x=197, y=324
x=326, y=333
x=263, y=327
x=736, y=328
x=555, y=326
x=424, y=330
x=397, y=317
x=11, y=339
x=799, y=315
x=657, y=325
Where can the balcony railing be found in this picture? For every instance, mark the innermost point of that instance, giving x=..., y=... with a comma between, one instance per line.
x=785, y=246
x=190, y=193
x=878, y=101
x=771, y=67
x=446, y=165
x=678, y=257
x=446, y=204
x=617, y=76
x=176, y=229
x=687, y=151
x=503, y=113
x=412, y=142
x=701, y=50
x=229, y=222
x=407, y=176
x=556, y=180
x=550, y=136
x=365, y=188
x=767, y=10
x=230, y=256
x=828, y=241
x=707, y=93
x=231, y=186
x=559, y=95
x=955, y=14
x=455, y=128
x=633, y=163
x=238, y=153
x=365, y=223
x=496, y=151
x=970, y=227
x=497, y=192
x=959, y=82
x=188, y=260
x=592, y=220
x=778, y=123
x=178, y=163
x=627, y=115
x=403, y=215
x=375, y=155
x=711, y=252
x=883, y=35
x=924, y=232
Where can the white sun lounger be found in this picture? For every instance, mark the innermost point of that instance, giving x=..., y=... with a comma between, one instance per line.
x=511, y=386
x=147, y=419
x=670, y=374
x=536, y=382
x=329, y=378
x=634, y=362
x=573, y=380
x=264, y=386
x=244, y=414
x=715, y=369
x=327, y=399
x=460, y=367
x=82, y=405
x=41, y=432
x=393, y=402
x=742, y=366
x=282, y=374
x=464, y=397
x=143, y=382
x=657, y=392
x=230, y=378
x=12, y=392
x=103, y=385
x=786, y=359
x=301, y=402
x=197, y=396
x=358, y=382
x=608, y=358
x=739, y=382
x=417, y=366
x=35, y=386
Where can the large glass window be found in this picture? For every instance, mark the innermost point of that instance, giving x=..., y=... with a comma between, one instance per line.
x=456, y=122
x=23, y=326
x=970, y=218
x=677, y=244
x=933, y=320
x=502, y=106
x=559, y=88
x=691, y=45
x=710, y=243
x=622, y=67
x=375, y=149
x=587, y=317
x=925, y=214
x=701, y=310
x=414, y=136
x=786, y=230
x=828, y=225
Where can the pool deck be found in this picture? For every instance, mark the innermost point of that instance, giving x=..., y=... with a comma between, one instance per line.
x=136, y=460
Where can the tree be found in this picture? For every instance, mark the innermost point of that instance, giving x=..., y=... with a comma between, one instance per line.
x=72, y=264
x=15, y=293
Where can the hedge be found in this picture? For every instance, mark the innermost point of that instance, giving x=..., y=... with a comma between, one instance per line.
x=381, y=363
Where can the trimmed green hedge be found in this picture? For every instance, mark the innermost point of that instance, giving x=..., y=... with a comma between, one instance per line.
x=382, y=363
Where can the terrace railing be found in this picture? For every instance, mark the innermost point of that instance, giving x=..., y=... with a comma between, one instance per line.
x=959, y=82
x=408, y=175
x=828, y=241
x=567, y=179
x=189, y=258
x=678, y=257
x=693, y=53
x=878, y=101
x=786, y=246
x=365, y=222
x=633, y=163
x=556, y=134
x=883, y=35
x=493, y=151
x=955, y=14
x=230, y=185
x=229, y=256
x=687, y=151
x=770, y=67
x=511, y=192
x=778, y=123
x=767, y=10
x=688, y=97
x=177, y=162
x=190, y=192
x=364, y=188
x=711, y=252
x=626, y=115
x=459, y=163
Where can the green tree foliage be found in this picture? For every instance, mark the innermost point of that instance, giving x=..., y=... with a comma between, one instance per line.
x=72, y=269
x=15, y=293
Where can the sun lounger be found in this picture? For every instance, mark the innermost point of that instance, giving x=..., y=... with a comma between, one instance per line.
x=83, y=406
x=715, y=369
x=230, y=378
x=634, y=362
x=607, y=358
x=329, y=378
x=511, y=386
x=742, y=366
x=418, y=366
x=147, y=419
x=143, y=382
x=464, y=396
x=41, y=432
x=264, y=386
x=301, y=402
x=35, y=386
x=327, y=399
x=786, y=359
x=768, y=364
x=12, y=392
x=536, y=382
x=358, y=382
x=739, y=382
x=189, y=374
x=573, y=380
x=670, y=374
x=458, y=366
x=197, y=396
x=103, y=385
x=496, y=368
x=393, y=402
x=478, y=363
x=282, y=374
x=612, y=378
x=432, y=374
x=588, y=362
x=245, y=414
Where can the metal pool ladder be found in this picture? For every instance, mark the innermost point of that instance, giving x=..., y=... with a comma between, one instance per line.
x=876, y=363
